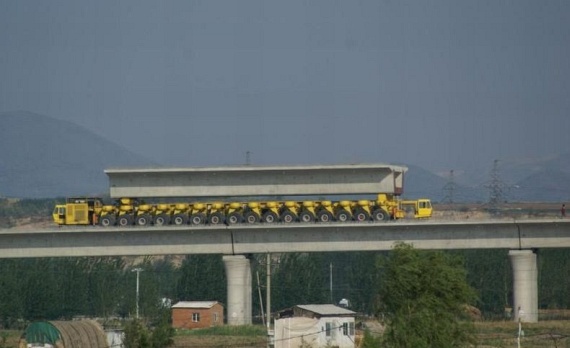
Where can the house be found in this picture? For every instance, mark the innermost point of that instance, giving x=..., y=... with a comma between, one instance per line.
x=315, y=326
x=197, y=314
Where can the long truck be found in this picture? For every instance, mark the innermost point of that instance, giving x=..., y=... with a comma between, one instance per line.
x=247, y=194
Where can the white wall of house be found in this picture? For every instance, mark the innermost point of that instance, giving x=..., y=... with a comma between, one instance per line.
x=300, y=331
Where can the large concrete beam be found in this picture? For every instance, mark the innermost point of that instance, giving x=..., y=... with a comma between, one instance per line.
x=252, y=181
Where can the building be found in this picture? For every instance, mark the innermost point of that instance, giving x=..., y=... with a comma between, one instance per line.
x=197, y=314
x=315, y=326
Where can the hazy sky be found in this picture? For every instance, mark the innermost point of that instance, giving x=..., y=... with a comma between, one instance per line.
x=440, y=84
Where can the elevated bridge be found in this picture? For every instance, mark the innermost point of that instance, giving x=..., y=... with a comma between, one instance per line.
x=520, y=237
x=282, y=238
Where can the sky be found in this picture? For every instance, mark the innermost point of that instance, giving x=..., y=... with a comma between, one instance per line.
x=439, y=84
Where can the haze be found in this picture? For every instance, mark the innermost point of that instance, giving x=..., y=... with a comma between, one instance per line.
x=439, y=84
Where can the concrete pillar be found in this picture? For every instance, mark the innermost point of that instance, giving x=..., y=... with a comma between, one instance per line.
x=525, y=285
x=238, y=274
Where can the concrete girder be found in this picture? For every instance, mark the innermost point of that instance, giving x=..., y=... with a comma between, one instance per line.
x=250, y=181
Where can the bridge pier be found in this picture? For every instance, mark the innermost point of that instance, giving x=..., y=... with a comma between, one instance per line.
x=525, y=285
x=238, y=274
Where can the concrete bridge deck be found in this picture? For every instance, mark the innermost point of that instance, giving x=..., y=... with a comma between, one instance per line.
x=248, y=239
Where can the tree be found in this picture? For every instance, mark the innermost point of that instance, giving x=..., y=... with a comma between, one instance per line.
x=202, y=277
x=423, y=297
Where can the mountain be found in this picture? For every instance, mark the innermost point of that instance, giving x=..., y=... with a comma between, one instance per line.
x=421, y=183
x=544, y=179
x=45, y=157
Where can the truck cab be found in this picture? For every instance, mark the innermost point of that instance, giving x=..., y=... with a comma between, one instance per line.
x=418, y=209
x=77, y=211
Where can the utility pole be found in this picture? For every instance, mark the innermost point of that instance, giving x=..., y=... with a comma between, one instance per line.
x=331, y=282
x=268, y=301
x=138, y=270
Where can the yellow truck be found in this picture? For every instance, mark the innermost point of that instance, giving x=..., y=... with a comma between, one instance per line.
x=248, y=195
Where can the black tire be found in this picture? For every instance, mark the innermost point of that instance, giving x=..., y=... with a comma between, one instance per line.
x=125, y=220
x=324, y=216
x=161, y=220
x=270, y=217
x=306, y=216
x=216, y=218
x=288, y=217
x=361, y=215
x=380, y=215
x=198, y=219
x=142, y=220
x=235, y=217
x=180, y=219
x=107, y=220
x=342, y=215
x=251, y=217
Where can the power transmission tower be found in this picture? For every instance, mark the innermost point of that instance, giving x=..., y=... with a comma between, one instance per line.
x=248, y=158
x=496, y=189
x=449, y=189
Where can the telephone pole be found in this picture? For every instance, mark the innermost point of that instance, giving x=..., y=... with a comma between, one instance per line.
x=138, y=270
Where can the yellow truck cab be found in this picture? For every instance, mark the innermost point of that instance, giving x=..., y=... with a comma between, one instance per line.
x=418, y=209
x=78, y=211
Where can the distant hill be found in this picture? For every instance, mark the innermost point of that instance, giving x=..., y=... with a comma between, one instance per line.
x=546, y=179
x=45, y=157
x=423, y=183
x=543, y=179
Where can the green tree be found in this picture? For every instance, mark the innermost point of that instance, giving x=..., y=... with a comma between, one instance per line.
x=202, y=277
x=106, y=277
x=489, y=272
x=423, y=297
x=300, y=279
x=137, y=335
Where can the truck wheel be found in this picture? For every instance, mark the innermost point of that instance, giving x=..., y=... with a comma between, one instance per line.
x=380, y=215
x=235, y=218
x=288, y=217
x=216, y=218
x=162, y=219
x=342, y=215
x=107, y=220
x=251, y=217
x=270, y=217
x=125, y=220
x=180, y=219
x=306, y=216
x=361, y=215
x=324, y=216
x=198, y=219
x=142, y=220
